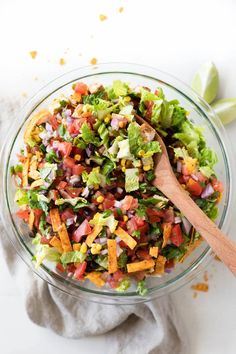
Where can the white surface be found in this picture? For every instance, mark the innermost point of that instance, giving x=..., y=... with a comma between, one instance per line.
x=175, y=36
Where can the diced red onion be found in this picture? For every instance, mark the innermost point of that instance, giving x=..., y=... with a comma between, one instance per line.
x=64, y=194
x=48, y=127
x=49, y=148
x=115, y=123
x=179, y=166
x=69, y=221
x=101, y=240
x=103, y=252
x=85, y=192
x=117, y=204
x=130, y=214
x=67, y=113
x=119, y=190
x=118, y=250
x=69, y=120
x=117, y=239
x=178, y=220
x=95, y=87
x=187, y=225
x=208, y=191
x=194, y=177
x=74, y=179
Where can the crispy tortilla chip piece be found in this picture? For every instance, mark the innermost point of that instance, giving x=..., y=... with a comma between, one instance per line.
x=64, y=237
x=166, y=233
x=95, y=277
x=191, y=248
x=124, y=236
x=91, y=237
x=55, y=219
x=112, y=256
x=55, y=242
x=160, y=265
x=153, y=251
x=37, y=183
x=25, y=172
x=138, y=266
x=39, y=118
x=31, y=220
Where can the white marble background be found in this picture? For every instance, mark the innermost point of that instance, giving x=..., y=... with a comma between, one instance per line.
x=175, y=36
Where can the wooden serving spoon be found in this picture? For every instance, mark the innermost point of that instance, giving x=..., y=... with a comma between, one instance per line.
x=167, y=183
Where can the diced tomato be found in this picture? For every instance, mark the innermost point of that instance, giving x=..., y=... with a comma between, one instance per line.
x=143, y=254
x=67, y=214
x=71, y=268
x=217, y=185
x=143, y=232
x=139, y=221
x=60, y=268
x=37, y=215
x=185, y=170
x=115, y=279
x=82, y=230
x=81, y=88
x=123, y=224
x=69, y=162
x=61, y=185
x=154, y=215
x=78, y=169
x=200, y=176
x=80, y=270
x=44, y=240
x=75, y=126
x=118, y=275
x=109, y=201
x=169, y=216
x=65, y=148
x=194, y=187
x=73, y=192
x=132, y=226
x=21, y=158
x=23, y=214
x=129, y=203
x=176, y=236
x=169, y=264
x=53, y=121
x=53, y=194
x=139, y=275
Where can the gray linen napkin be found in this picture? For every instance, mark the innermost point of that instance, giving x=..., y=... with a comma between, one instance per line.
x=150, y=328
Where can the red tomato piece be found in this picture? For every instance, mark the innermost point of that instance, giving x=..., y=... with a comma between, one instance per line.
x=65, y=148
x=109, y=201
x=139, y=275
x=143, y=254
x=118, y=275
x=61, y=185
x=129, y=203
x=60, y=268
x=169, y=216
x=132, y=225
x=37, y=215
x=23, y=214
x=83, y=230
x=69, y=162
x=217, y=185
x=67, y=214
x=81, y=88
x=80, y=270
x=154, y=215
x=77, y=169
x=176, y=236
x=194, y=187
x=73, y=192
x=44, y=240
x=143, y=232
x=53, y=121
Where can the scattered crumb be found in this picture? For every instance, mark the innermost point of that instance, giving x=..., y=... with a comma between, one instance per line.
x=195, y=294
x=36, y=78
x=33, y=54
x=121, y=9
x=200, y=287
x=102, y=17
x=24, y=94
x=205, y=276
x=216, y=258
x=62, y=61
x=93, y=61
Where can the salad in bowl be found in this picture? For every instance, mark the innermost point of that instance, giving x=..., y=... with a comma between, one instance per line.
x=84, y=184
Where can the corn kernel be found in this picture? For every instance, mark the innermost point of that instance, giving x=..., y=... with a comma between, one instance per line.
x=123, y=169
x=100, y=207
x=77, y=157
x=100, y=199
x=123, y=162
x=121, y=124
x=107, y=119
x=141, y=153
x=96, y=248
x=96, y=186
x=76, y=246
x=125, y=218
x=127, y=99
x=83, y=248
x=147, y=167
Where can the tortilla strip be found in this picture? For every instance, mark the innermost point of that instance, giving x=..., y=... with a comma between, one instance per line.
x=39, y=118
x=166, y=233
x=112, y=256
x=91, y=237
x=31, y=220
x=153, y=251
x=95, y=277
x=64, y=237
x=55, y=242
x=55, y=219
x=160, y=265
x=37, y=183
x=25, y=172
x=191, y=248
x=124, y=236
x=138, y=266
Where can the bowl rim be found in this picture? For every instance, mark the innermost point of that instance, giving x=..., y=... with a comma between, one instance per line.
x=145, y=72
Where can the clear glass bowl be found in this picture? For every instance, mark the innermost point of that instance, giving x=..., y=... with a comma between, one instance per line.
x=200, y=114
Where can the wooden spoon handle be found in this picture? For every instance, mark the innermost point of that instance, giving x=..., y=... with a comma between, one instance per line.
x=223, y=247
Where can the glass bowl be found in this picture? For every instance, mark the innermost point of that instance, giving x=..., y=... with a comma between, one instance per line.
x=200, y=114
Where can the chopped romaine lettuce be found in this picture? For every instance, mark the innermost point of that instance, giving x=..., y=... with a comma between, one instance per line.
x=131, y=179
x=108, y=221
x=72, y=257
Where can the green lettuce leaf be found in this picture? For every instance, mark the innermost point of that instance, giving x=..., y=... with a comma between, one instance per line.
x=72, y=257
x=131, y=179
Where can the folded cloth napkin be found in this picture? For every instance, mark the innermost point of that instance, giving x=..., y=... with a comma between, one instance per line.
x=148, y=328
